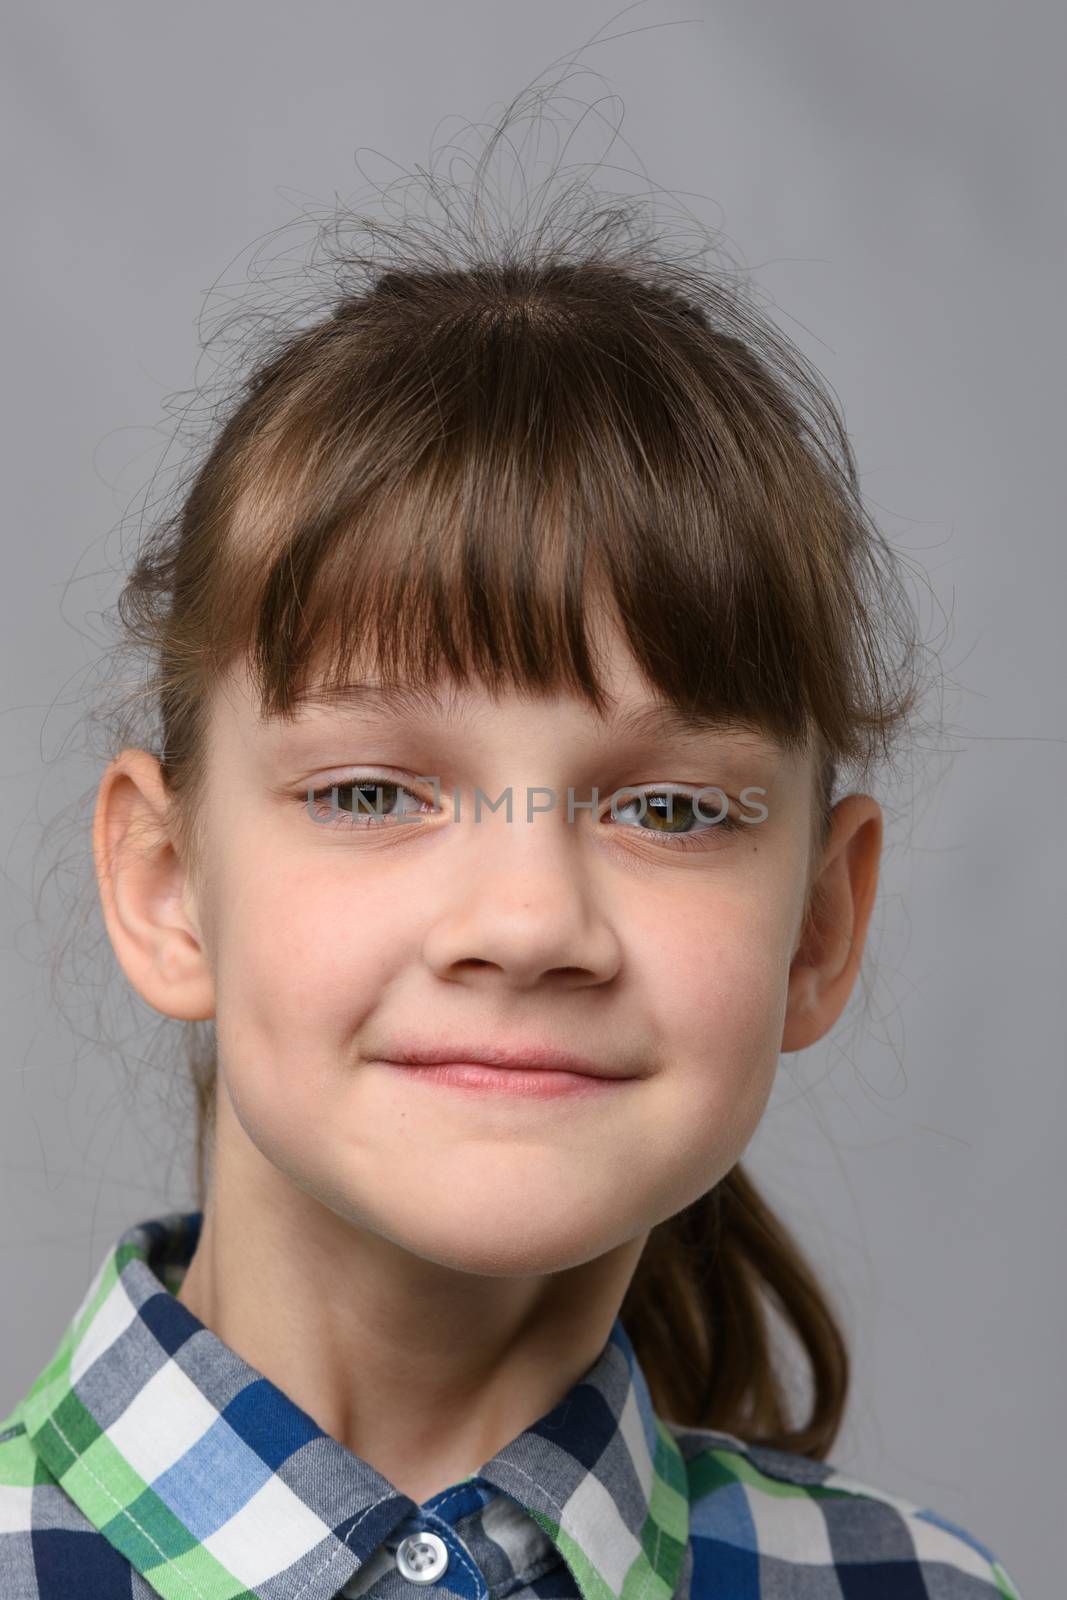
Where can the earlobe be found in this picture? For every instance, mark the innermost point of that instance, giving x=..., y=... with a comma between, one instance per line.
x=828, y=955
x=144, y=894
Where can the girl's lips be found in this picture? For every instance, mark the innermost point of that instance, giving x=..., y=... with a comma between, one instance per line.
x=536, y=1084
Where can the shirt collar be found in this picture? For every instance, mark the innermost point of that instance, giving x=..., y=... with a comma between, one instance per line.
x=214, y=1484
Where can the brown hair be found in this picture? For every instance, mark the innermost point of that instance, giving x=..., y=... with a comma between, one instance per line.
x=443, y=466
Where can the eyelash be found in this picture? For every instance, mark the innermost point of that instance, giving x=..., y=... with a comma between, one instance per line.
x=373, y=780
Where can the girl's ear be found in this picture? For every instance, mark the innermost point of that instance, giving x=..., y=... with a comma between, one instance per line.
x=830, y=948
x=147, y=902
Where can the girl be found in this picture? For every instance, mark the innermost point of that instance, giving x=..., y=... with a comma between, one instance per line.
x=508, y=647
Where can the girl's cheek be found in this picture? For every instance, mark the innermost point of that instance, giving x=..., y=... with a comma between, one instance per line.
x=728, y=960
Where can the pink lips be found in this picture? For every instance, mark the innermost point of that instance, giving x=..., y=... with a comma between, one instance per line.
x=534, y=1070
x=478, y=1078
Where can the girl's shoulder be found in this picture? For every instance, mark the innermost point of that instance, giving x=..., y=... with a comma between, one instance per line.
x=752, y=1508
x=47, y=1545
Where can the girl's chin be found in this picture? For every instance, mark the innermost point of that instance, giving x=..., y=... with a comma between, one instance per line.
x=486, y=1242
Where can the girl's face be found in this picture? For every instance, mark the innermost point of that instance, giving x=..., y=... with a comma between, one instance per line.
x=335, y=945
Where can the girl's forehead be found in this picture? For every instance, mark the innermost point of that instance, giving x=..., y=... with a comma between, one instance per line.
x=632, y=708
x=630, y=705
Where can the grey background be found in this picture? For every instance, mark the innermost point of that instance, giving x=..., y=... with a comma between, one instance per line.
x=893, y=177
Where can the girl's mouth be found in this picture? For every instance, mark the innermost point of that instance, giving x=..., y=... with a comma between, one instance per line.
x=535, y=1083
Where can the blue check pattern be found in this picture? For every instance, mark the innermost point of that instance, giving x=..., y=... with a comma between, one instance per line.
x=149, y=1459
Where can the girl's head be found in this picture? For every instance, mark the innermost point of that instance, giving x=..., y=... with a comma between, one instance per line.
x=561, y=521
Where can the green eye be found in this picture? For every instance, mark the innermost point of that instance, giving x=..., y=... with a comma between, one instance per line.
x=673, y=816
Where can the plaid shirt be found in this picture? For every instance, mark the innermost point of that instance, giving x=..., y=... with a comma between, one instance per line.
x=149, y=1458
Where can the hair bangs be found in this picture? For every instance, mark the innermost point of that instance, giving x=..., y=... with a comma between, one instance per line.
x=552, y=474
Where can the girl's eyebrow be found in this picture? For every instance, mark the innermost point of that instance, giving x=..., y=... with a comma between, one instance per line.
x=657, y=719
x=371, y=695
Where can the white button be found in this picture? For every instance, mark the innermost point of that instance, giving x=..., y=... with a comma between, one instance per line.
x=422, y=1557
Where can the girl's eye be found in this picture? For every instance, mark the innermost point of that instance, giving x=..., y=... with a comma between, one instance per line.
x=675, y=819
x=335, y=804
